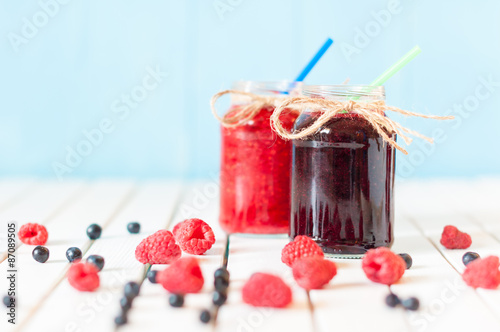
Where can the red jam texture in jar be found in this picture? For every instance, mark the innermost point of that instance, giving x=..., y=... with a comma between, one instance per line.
x=255, y=177
x=342, y=185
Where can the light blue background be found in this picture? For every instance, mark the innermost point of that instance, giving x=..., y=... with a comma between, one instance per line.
x=65, y=79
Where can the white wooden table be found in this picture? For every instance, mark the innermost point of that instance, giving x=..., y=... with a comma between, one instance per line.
x=46, y=302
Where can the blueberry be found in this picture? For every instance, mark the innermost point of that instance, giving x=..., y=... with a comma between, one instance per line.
x=408, y=260
x=121, y=319
x=222, y=272
x=221, y=284
x=176, y=300
x=219, y=298
x=205, y=316
x=94, y=231
x=469, y=256
x=152, y=276
x=40, y=254
x=411, y=304
x=392, y=300
x=125, y=304
x=7, y=300
x=97, y=260
x=131, y=290
x=73, y=254
x=133, y=227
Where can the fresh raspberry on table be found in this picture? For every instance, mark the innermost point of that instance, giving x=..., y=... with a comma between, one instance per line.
x=266, y=290
x=313, y=272
x=383, y=266
x=83, y=277
x=34, y=234
x=452, y=238
x=182, y=276
x=194, y=236
x=302, y=246
x=483, y=273
x=159, y=248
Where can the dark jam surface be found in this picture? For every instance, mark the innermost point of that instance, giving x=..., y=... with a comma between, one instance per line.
x=342, y=184
x=255, y=177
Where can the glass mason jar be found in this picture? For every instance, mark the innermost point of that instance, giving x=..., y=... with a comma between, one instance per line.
x=343, y=177
x=255, y=167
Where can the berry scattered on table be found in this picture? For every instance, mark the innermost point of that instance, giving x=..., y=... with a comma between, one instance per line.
x=83, y=277
x=73, y=254
x=152, y=275
x=7, y=300
x=411, y=303
x=40, y=254
x=452, y=238
x=383, y=266
x=182, y=276
x=469, y=256
x=194, y=236
x=302, y=246
x=219, y=298
x=266, y=290
x=94, y=231
x=313, y=272
x=121, y=319
x=97, y=260
x=125, y=304
x=205, y=316
x=392, y=300
x=483, y=273
x=408, y=260
x=159, y=248
x=176, y=300
x=131, y=290
x=34, y=234
x=133, y=227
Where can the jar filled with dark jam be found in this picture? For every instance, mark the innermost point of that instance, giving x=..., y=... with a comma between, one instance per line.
x=343, y=177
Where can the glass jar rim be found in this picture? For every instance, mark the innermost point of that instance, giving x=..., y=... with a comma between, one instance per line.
x=345, y=92
x=267, y=87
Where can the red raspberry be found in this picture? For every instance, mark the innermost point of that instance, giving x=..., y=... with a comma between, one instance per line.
x=182, y=276
x=383, y=266
x=266, y=290
x=83, y=276
x=301, y=246
x=34, y=234
x=194, y=236
x=159, y=248
x=452, y=238
x=313, y=272
x=483, y=273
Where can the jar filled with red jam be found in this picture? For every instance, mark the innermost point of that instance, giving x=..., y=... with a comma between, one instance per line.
x=343, y=177
x=256, y=165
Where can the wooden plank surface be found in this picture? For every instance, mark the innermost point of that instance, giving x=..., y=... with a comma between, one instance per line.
x=349, y=303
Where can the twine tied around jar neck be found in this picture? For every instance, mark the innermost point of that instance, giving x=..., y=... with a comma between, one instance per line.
x=247, y=112
x=373, y=112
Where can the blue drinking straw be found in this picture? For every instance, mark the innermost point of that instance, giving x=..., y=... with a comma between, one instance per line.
x=314, y=60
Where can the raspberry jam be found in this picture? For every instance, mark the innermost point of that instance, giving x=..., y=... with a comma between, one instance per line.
x=255, y=172
x=342, y=183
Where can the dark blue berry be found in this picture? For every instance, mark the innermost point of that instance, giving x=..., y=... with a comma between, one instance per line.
x=469, y=256
x=392, y=300
x=40, y=254
x=94, y=231
x=205, y=316
x=73, y=254
x=152, y=276
x=7, y=300
x=219, y=298
x=134, y=227
x=176, y=300
x=121, y=319
x=125, y=304
x=131, y=290
x=97, y=261
x=411, y=304
x=222, y=272
x=221, y=284
x=408, y=260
